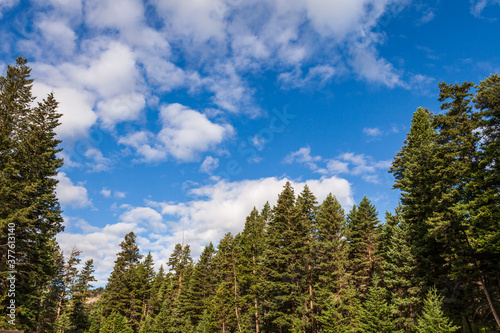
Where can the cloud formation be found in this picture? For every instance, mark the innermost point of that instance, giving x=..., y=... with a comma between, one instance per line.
x=184, y=135
x=345, y=163
x=69, y=194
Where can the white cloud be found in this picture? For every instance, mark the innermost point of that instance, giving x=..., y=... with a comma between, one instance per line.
x=105, y=192
x=99, y=162
x=59, y=35
x=185, y=134
x=209, y=164
x=374, y=132
x=477, y=6
x=346, y=163
x=69, y=194
x=368, y=66
x=147, y=216
x=303, y=155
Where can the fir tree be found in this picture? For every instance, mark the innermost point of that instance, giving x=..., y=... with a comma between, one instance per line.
x=331, y=254
x=362, y=232
x=28, y=204
x=432, y=318
x=399, y=269
x=118, y=293
x=376, y=313
x=250, y=253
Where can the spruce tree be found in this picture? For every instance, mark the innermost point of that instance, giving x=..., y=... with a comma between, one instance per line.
x=250, y=255
x=432, y=318
x=203, y=284
x=362, y=233
x=118, y=296
x=28, y=204
x=331, y=255
x=377, y=313
x=399, y=269
x=414, y=171
x=285, y=269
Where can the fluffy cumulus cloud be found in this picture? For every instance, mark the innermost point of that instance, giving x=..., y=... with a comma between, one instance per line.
x=71, y=195
x=184, y=135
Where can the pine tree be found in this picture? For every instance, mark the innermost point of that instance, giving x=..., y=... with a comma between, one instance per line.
x=484, y=206
x=399, y=267
x=116, y=323
x=341, y=312
x=331, y=255
x=306, y=220
x=250, y=253
x=79, y=312
x=225, y=303
x=286, y=302
x=179, y=260
x=28, y=204
x=376, y=313
x=202, y=285
x=119, y=296
x=414, y=171
x=432, y=318
x=362, y=232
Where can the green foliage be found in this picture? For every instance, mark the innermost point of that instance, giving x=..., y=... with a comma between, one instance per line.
x=116, y=323
x=362, y=232
x=432, y=318
x=376, y=314
x=28, y=165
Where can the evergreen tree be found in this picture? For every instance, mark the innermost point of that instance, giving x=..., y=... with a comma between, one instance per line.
x=79, y=312
x=116, y=323
x=28, y=204
x=250, y=253
x=484, y=206
x=362, y=232
x=225, y=303
x=341, y=312
x=202, y=285
x=330, y=251
x=399, y=267
x=376, y=313
x=119, y=296
x=432, y=318
x=286, y=303
x=413, y=169
x=179, y=260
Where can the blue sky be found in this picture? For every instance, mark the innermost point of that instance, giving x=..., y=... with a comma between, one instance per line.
x=180, y=116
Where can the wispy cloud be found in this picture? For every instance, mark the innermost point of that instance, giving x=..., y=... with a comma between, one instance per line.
x=346, y=163
x=477, y=6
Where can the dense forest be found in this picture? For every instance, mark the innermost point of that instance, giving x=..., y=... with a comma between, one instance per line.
x=433, y=265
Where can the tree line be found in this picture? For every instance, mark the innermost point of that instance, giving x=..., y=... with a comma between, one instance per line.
x=299, y=266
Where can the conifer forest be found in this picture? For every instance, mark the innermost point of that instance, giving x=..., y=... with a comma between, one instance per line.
x=431, y=265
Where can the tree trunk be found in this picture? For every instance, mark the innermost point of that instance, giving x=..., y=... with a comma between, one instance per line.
x=255, y=300
x=492, y=307
x=235, y=293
